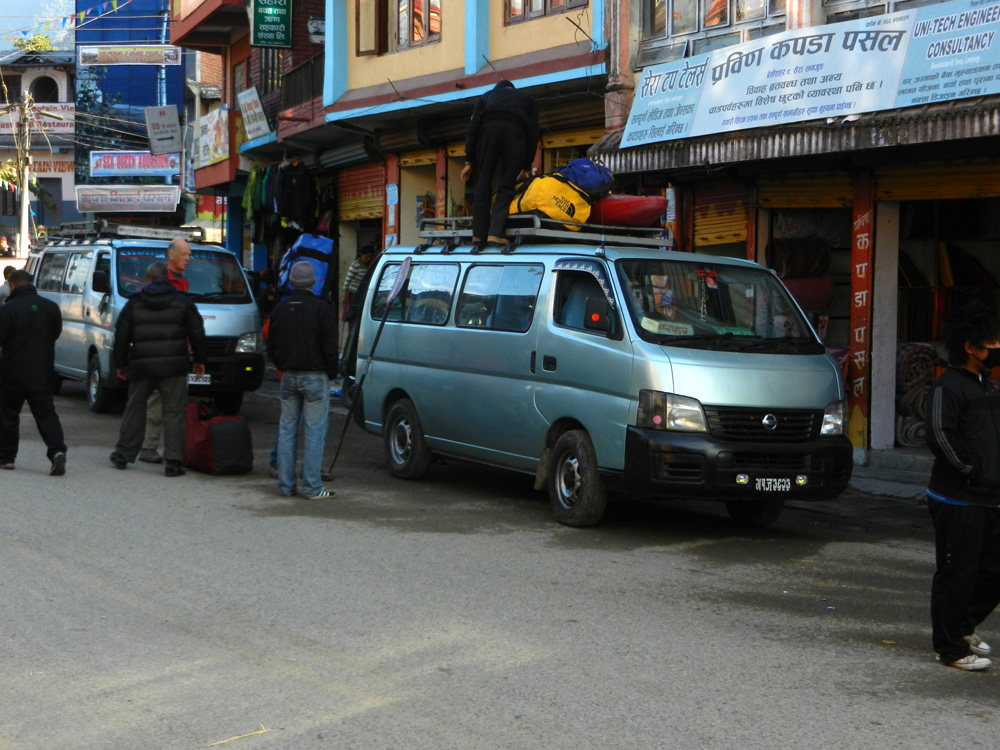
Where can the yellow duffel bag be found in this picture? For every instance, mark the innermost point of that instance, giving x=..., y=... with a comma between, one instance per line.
x=553, y=198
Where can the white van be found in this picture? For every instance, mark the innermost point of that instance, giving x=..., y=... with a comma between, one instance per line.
x=91, y=279
x=598, y=364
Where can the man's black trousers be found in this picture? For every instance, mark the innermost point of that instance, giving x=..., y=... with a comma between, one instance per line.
x=43, y=409
x=500, y=155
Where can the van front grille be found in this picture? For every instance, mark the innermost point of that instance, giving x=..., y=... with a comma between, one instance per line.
x=219, y=346
x=752, y=425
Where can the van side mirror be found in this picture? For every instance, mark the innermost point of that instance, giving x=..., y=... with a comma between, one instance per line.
x=102, y=282
x=598, y=315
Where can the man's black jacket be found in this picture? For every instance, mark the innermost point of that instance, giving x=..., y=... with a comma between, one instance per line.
x=302, y=336
x=153, y=331
x=504, y=102
x=29, y=327
x=963, y=432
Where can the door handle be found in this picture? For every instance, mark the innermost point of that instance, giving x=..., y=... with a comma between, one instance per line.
x=548, y=363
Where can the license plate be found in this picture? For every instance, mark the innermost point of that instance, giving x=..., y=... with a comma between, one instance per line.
x=205, y=379
x=773, y=484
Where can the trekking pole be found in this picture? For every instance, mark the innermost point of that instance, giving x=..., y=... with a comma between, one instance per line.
x=397, y=287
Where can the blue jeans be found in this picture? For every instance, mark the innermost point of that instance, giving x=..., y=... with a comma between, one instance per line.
x=305, y=396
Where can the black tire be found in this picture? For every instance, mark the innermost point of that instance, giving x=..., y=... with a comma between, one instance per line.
x=758, y=513
x=100, y=398
x=577, y=495
x=228, y=402
x=406, y=450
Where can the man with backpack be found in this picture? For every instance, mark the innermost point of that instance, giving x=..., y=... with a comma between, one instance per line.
x=501, y=146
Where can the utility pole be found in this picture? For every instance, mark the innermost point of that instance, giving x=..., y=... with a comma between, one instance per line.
x=23, y=141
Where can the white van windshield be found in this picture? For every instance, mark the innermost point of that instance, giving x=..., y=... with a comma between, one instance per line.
x=213, y=275
x=701, y=304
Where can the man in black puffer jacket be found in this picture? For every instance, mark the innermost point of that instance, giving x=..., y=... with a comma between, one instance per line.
x=29, y=327
x=151, y=352
x=963, y=495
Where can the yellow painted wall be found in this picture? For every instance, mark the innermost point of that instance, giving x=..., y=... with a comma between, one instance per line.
x=448, y=54
x=414, y=181
x=532, y=36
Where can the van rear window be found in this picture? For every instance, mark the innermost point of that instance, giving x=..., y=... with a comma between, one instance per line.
x=426, y=298
x=499, y=298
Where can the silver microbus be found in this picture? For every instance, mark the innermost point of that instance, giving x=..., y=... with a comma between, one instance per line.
x=601, y=364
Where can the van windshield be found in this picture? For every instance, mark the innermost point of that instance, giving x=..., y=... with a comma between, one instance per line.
x=704, y=305
x=213, y=275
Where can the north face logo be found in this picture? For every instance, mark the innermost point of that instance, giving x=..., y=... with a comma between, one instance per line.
x=564, y=205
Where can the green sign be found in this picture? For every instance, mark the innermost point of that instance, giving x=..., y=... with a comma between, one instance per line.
x=270, y=23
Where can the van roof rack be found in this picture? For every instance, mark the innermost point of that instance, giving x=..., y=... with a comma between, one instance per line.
x=524, y=228
x=102, y=228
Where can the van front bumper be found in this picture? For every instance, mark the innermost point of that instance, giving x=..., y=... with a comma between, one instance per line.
x=696, y=465
x=235, y=372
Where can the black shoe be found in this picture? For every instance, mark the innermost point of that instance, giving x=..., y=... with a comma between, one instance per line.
x=118, y=460
x=58, y=465
x=173, y=469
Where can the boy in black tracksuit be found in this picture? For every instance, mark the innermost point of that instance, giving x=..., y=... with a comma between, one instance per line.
x=503, y=138
x=963, y=495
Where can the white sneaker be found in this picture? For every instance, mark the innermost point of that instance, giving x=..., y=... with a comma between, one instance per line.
x=971, y=663
x=978, y=646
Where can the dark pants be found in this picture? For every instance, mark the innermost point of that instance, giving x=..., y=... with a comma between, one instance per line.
x=173, y=394
x=500, y=158
x=966, y=586
x=43, y=409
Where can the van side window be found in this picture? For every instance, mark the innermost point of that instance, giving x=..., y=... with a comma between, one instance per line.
x=499, y=298
x=51, y=272
x=425, y=299
x=573, y=291
x=77, y=272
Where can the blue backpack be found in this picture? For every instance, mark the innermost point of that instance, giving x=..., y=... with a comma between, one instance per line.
x=320, y=253
x=593, y=179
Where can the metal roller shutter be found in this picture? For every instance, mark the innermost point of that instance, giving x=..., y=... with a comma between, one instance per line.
x=361, y=192
x=720, y=214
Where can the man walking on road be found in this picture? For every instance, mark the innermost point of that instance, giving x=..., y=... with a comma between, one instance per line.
x=963, y=495
x=29, y=327
x=178, y=258
x=302, y=343
x=151, y=352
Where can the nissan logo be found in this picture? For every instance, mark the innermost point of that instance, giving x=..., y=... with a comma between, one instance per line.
x=769, y=421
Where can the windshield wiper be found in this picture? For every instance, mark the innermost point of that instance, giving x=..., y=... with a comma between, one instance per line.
x=779, y=343
x=208, y=295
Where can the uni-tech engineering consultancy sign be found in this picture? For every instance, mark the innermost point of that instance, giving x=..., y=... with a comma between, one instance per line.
x=930, y=54
x=129, y=54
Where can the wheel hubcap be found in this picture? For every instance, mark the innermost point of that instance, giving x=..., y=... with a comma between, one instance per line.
x=94, y=384
x=401, y=441
x=568, y=481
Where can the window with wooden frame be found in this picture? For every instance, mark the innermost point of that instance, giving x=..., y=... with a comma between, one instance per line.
x=516, y=11
x=384, y=26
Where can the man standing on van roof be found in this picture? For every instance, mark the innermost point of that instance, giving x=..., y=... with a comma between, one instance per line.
x=178, y=258
x=151, y=352
x=963, y=495
x=302, y=343
x=29, y=327
x=502, y=140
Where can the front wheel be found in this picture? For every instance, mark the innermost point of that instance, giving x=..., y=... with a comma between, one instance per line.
x=576, y=492
x=755, y=512
x=406, y=450
x=100, y=398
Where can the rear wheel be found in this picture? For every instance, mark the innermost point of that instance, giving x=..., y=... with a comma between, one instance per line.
x=577, y=495
x=406, y=450
x=100, y=398
x=228, y=402
x=755, y=512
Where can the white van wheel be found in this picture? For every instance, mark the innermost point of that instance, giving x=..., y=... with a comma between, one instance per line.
x=755, y=512
x=406, y=450
x=576, y=492
x=100, y=398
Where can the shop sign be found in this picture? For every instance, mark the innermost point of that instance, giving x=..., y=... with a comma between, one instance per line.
x=858, y=371
x=164, y=129
x=270, y=23
x=213, y=137
x=126, y=198
x=129, y=54
x=133, y=164
x=64, y=123
x=934, y=53
x=254, y=119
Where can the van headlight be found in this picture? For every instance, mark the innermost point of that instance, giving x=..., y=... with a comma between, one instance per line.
x=250, y=343
x=668, y=411
x=834, y=416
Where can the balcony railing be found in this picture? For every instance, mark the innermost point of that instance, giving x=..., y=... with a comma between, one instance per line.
x=303, y=83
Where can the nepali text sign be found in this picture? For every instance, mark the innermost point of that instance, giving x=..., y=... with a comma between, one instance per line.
x=213, y=137
x=270, y=23
x=164, y=129
x=129, y=54
x=254, y=119
x=63, y=121
x=126, y=198
x=133, y=164
x=930, y=54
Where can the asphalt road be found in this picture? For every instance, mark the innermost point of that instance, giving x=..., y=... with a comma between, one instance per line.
x=139, y=611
